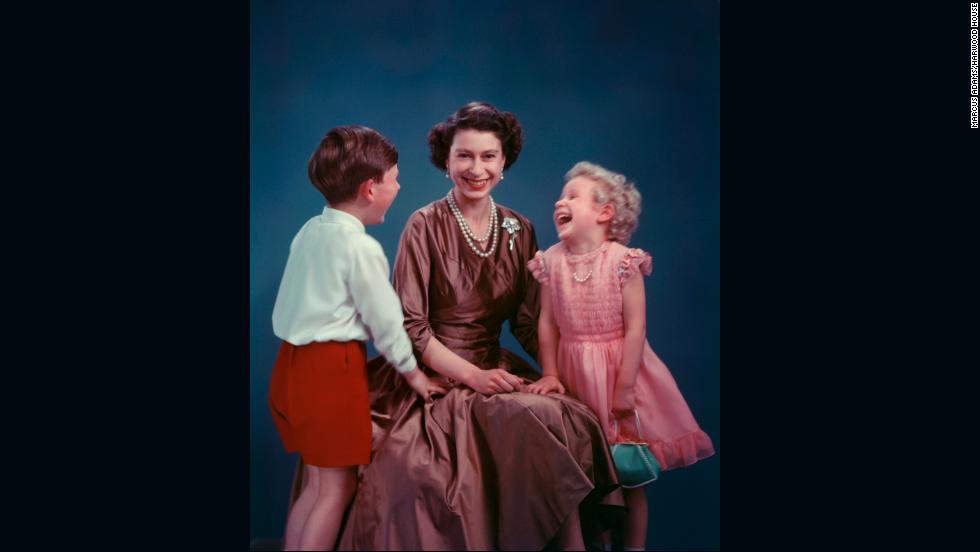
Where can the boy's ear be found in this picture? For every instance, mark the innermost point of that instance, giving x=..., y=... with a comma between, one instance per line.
x=607, y=212
x=365, y=190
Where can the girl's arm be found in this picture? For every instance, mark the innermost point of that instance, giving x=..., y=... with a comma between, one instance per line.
x=548, y=336
x=635, y=320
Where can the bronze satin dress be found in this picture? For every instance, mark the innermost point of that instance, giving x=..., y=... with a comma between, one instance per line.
x=469, y=471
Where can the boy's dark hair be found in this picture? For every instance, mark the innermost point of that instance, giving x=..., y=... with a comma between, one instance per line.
x=477, y=116
x=347, y=156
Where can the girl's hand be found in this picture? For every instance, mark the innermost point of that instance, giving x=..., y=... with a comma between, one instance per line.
x=623, y=402
x=547, y=384
x=491, y=382
x=422, y=385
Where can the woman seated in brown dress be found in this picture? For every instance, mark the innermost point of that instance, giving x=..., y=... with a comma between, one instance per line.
x=487, y=466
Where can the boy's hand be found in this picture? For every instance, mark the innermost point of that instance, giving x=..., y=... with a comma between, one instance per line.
x=547, y=384
x=422, y=385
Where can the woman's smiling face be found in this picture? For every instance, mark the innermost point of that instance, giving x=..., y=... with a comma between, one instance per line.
x=476, y=162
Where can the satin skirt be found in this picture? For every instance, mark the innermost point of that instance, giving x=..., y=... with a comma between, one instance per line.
x=475, y=472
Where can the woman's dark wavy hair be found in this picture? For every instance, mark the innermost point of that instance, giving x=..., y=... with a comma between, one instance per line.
x=477, y=116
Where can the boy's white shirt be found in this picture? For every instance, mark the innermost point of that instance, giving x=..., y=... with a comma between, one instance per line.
x=335, y=288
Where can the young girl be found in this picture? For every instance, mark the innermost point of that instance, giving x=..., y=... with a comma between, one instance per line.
x=591, y=331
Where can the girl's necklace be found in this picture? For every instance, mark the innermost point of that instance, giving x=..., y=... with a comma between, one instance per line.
x=581, y=280
x=584, y=256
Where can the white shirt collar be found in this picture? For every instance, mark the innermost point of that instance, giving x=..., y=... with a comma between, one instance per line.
x=340, y=217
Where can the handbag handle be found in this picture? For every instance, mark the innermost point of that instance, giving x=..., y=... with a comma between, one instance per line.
x=638, y=431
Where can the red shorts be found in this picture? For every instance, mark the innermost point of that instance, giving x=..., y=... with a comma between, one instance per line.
x=319, y=400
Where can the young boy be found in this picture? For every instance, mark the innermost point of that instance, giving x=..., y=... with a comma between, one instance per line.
x=334, y=296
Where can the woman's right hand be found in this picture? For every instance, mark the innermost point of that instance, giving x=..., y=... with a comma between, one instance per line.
x=491, y=382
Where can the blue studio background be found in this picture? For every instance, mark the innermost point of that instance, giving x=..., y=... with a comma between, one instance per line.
x=633, y=86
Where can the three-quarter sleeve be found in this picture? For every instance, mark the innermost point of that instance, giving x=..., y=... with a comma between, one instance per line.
x=411, y=281
x=524, y=322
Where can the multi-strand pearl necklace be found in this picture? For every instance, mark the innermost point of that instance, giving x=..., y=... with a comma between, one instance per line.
x=468, y=232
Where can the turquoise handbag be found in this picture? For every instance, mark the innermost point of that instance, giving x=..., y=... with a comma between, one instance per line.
x=635, y=464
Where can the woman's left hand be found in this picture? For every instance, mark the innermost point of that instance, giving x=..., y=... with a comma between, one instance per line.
x=547, y=384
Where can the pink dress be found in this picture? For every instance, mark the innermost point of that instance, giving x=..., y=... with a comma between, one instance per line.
x=589, y=315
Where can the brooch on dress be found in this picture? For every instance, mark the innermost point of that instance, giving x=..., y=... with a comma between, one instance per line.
x=512, y=227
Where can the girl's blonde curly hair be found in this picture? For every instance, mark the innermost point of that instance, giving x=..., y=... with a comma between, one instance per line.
x=613, y=188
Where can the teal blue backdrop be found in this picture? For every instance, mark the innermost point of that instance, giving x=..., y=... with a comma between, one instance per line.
x=633, y=86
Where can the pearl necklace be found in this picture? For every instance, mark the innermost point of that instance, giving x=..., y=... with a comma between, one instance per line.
x=486, y=237
x=467, y=230
x=468, y=233
x=590, y=256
